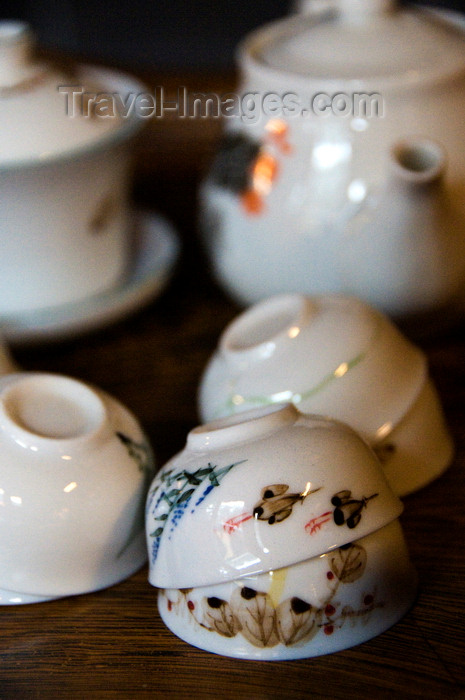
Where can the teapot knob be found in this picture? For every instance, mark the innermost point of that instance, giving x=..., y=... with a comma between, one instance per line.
x=356, y=11
x=349, y=11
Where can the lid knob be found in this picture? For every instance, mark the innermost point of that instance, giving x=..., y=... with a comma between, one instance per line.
x=15, y=49
x=356, y=11
x=352, y=11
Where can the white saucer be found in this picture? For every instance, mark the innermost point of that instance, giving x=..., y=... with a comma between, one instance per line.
x=157, y=251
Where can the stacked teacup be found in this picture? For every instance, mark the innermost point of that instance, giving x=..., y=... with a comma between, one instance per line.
x=274, y=534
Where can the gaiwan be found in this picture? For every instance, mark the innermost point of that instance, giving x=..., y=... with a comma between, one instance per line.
x=275, y=535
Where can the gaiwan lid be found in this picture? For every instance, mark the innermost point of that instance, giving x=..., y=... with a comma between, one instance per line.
x=46, y=113
x=359, y=40
x=259, y=491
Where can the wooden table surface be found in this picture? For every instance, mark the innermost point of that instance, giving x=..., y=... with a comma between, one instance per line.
x=113, y=643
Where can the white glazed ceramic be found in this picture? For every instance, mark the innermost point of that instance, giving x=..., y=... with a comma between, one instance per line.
x=156, y=250
x=64, y=180
x=237, y=482
x=350, y=178
x=74, y=471
x=328, y=603
x=339, y=357
x=256, y=518
x=15, y=598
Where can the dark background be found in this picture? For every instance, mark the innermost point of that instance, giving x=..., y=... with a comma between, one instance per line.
x=151, y=34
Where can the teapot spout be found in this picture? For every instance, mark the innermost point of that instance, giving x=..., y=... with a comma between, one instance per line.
x=412, y=247
x=418, y=161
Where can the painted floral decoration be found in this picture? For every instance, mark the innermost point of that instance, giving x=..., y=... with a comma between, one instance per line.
x=142, y=456
x=171, y=497
x=293, y=621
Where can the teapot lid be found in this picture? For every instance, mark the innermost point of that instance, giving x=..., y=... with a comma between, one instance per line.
x=368, y=41
x=42, y=110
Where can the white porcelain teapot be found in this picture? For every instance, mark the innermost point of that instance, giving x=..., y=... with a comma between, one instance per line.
x=343, y=162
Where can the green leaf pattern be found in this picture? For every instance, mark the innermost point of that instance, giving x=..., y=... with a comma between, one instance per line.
x=166, y=505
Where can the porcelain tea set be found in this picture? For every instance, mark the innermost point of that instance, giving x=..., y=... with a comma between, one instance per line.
x=274, y=533
x=339, y=357
x=267, y=538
